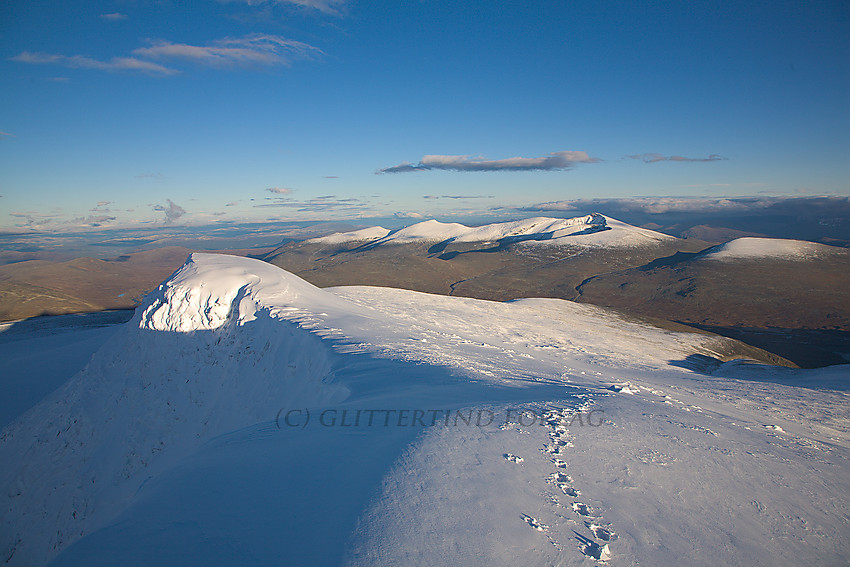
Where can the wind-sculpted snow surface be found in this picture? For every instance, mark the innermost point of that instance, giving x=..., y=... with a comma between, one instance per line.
x=244, y=416
x=187, y=367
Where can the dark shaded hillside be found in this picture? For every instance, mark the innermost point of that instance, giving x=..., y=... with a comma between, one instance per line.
x=495, y=271
x=797, y=308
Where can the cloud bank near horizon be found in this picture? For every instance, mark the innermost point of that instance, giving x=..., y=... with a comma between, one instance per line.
x=553, y=162
x=655, y=158
x=662, y=205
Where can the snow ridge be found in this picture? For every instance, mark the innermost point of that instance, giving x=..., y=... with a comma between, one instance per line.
x=588, y=230
x=370, y=233
x=185, y=369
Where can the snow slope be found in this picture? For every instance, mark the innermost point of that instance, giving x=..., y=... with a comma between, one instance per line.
x=590, y=230
x=751, y=248
x=244, y=416
x=370, y=233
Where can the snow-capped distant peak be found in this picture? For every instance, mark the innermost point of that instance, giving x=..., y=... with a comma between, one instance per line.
x=776, y=248
x=588, y=230
x=370, y=233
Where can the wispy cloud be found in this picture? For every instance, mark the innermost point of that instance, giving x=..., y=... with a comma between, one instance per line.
x=321, y=203
x=657, y=205
x=552, y=162
x=332, y=7
x=114, y=17
x=251, y=50
x=655, y=158
x=458, y=197
x=101, y=207
x=172, y=212
x=6, y=135
x=35, y=220
x=152, y=176
x=93, y=220
x=279, y=190
x=84, y=62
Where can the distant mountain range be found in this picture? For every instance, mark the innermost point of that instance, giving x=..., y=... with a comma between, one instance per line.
x=538, y=257
x=787, y=296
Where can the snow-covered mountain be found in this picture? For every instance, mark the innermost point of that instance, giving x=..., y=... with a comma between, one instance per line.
x=590, y=230
x=244, y=416
x=752, y=248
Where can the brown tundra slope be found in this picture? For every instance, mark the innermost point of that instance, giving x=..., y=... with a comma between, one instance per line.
x=782, y=295
x=773, y=293
x=39, y=287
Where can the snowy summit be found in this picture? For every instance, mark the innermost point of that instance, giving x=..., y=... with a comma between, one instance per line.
x=751, y=248
x=593, y=230
x=244, y=416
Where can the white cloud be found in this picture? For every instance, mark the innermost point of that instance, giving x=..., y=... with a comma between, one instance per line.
x=249, y=51
x=552, y=162
x=279, y=190
x=255, y=49
x=83, y=62
x=114, y=17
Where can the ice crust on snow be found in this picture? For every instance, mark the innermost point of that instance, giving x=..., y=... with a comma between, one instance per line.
x=589, y=230
x=170, y=429
x=752, y=248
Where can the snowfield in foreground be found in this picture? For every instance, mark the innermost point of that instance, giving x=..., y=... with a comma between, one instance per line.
x=246, y=417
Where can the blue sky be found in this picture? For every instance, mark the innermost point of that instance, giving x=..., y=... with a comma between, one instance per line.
x=136, y=112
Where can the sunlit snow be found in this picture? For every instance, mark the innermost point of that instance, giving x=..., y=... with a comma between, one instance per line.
x=246, y=417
